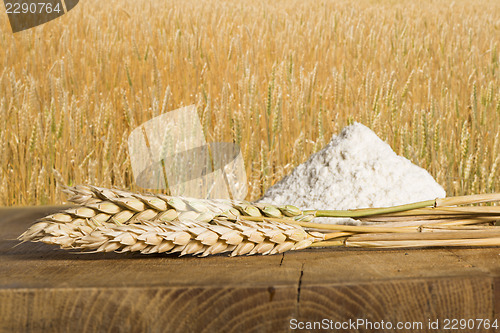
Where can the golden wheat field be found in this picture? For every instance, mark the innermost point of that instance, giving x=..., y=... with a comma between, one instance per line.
x=277, y=77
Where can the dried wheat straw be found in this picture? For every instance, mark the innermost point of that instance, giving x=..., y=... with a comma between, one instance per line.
x=424, y=243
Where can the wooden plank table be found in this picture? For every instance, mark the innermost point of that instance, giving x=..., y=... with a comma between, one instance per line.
x=44, y=289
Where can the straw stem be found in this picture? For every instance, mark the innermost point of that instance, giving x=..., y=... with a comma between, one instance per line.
x=436, y=235
x=351, y=228
x=467, y=199
x=446, y=211
x=369, y=211
x=424, y=243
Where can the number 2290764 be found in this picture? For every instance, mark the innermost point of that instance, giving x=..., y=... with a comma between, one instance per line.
x=33, y=8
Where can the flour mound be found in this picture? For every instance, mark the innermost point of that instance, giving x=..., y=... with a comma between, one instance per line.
x=355, y=170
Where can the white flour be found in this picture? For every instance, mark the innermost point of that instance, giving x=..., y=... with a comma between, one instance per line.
x=355, y=170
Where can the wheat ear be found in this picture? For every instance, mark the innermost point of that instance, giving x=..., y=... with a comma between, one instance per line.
x=186, y=237
x=115, y=220
x=122, y=207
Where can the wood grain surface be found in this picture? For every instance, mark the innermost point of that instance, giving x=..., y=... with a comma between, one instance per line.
x=44, y=289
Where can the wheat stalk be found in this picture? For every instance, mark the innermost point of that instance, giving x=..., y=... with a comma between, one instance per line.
x=115, y=220
x=421, y=119
x=122, y=207
x=186, y=237
x=102, y=204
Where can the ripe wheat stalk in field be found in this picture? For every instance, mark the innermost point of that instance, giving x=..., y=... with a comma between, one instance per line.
x=277, y=77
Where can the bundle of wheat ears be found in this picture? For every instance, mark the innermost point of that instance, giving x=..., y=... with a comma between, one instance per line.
x=106, y=220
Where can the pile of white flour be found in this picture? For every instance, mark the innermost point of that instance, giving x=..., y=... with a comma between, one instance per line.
x=355, y=170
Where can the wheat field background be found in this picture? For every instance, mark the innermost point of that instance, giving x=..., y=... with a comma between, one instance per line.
x=277, y=77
